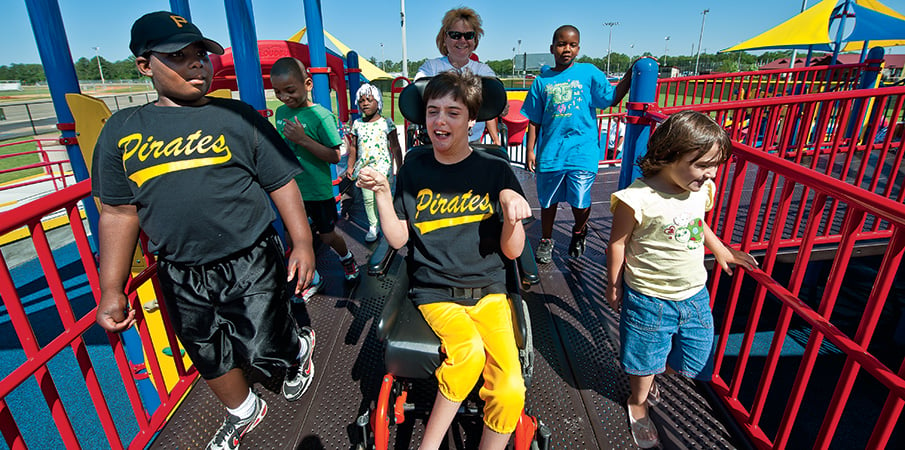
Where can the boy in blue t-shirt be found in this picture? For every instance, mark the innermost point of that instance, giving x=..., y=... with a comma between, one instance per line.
x=562, y=109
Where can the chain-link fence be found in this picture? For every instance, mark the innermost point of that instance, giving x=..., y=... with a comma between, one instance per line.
x=39, y=117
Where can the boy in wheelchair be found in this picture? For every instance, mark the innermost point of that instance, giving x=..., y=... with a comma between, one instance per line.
x=460, y=212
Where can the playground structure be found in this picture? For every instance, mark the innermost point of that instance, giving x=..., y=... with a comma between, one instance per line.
x=817, y=174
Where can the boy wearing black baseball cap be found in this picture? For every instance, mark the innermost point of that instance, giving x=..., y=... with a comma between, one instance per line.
x=197, y=174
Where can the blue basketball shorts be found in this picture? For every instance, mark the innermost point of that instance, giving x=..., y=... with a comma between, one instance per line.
x=571, y=186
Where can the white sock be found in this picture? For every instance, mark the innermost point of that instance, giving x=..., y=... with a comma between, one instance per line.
x=247, y=408
x=303, y=349
x=348, y=255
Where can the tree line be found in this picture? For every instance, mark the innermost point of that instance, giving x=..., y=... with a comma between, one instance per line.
x=619, y=62
x=87, y=68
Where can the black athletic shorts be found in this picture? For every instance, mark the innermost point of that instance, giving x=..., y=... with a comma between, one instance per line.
x=233, y=310
x=322, y=214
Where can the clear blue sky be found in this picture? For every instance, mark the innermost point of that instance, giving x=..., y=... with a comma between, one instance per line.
x=364, y=24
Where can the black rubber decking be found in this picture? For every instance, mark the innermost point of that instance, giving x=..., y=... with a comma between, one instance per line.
x=578, y=389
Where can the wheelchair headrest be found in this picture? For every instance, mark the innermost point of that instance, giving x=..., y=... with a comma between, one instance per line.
x=411, y=103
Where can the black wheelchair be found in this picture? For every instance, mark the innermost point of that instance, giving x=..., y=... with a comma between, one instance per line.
x=412, y=349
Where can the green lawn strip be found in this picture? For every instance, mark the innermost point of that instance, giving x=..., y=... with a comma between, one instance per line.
x=18, y=161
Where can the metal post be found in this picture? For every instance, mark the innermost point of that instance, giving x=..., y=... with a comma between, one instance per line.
x=53, y=47
x=840, y=32
x=354, y=80
x=665, y=50
x=608, y=45
x=317, y=53
x=643, y=90
x=700, y=38
x=405, y=57
x=97, y=55
x=181, y=8
x=804, y=5
x=243, y=37
x=868, y=80
x=31, y=120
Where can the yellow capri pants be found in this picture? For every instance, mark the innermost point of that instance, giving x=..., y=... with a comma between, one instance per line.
x=480, y=340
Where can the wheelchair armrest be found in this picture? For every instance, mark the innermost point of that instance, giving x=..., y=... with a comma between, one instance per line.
x=380, y=260
x=519, y=308
x=393, y=303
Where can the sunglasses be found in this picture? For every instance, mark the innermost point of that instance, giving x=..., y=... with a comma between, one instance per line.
x=456, y=35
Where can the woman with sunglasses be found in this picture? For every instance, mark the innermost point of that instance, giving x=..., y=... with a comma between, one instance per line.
x=460, y=32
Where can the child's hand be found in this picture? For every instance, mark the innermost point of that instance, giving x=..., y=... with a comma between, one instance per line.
x=737, y=257
x=301, y=267
x=368, y=178
x=295, y=131
x=515, y=207
x=614, y=296
x=112, y=314
x=530, y=161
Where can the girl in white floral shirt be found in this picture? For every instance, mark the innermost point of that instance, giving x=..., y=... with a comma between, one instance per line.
x=374, y=143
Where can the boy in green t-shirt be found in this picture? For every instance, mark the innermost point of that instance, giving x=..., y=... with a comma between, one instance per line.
x=311, y=131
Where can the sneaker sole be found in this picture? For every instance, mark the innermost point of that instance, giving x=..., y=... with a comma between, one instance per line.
x=311, y=377
x=257, y=421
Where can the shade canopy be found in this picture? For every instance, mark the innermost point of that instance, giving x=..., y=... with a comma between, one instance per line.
x=369, y=71
x=816, y=28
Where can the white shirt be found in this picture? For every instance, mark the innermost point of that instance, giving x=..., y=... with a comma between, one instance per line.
x=434, y=66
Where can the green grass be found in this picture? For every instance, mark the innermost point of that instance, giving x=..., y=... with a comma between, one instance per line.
x=17, y=161
x=38, y=93
x=273, y=104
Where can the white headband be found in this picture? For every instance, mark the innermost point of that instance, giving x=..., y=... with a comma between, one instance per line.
x=370, y=89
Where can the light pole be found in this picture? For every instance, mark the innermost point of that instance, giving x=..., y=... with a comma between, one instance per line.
x=611, y=25
x=98, y=57
x=405, y=55
x=804, y=5
x=382, y=59
x=517, y=52
x=665, y=49
x=513, y=62
x=700, y=37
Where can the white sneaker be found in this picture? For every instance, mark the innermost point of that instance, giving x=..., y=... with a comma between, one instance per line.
x=372, y=234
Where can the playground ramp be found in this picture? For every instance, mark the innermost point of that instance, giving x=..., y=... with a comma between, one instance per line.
x=813, y=176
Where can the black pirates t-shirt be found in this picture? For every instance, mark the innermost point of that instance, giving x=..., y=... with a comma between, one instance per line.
x=199, y=176
x=455, y=221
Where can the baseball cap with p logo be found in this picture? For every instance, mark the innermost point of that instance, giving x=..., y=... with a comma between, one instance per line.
x=165, y=32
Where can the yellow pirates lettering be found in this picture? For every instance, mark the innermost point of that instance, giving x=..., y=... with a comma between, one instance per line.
x=464, y=208
x=136, y=145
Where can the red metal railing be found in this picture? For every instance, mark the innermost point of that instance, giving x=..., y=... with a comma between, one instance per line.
x=723, y=90
x=721, y=87
x=74, y=328
x=860, y=207
x=53, y=168
x=865, y=152
x=773, y=204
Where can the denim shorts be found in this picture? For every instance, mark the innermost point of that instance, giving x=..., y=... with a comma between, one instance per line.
x=571, y=186
x=655, y=333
